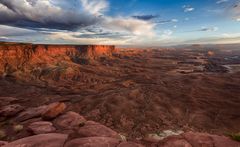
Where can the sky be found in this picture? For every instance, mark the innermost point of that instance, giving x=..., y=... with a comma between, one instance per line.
x=120, y=22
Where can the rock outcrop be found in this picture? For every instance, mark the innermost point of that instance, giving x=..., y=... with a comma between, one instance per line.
x=10, y=110
x=43, y=140
x=70, y=129
x=50, y=61
x=41, y=127
x=194, y=139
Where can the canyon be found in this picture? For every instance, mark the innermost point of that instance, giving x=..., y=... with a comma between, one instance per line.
x=95, y=94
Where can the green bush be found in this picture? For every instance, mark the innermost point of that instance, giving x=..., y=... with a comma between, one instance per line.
x=235, y=136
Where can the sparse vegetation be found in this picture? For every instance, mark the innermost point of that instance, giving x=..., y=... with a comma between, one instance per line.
x=18, y=128
x=235, y=136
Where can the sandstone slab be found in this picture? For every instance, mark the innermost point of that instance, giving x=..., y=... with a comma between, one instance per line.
x=174, y=142
x=194, y=139
x=129, y=144
x=43, y=140
x=31, y=113
x=69, y=120
x=93, y=142
x=2, y=143
x=97, y=130
x=204, y=139
x=11, y=110
x=41, y=127
x=53, y=110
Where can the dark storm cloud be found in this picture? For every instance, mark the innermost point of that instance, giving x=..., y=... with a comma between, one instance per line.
x=145, y=17
x=167, y=21
x=205, y=29
x=111, y=35
x=37, y=14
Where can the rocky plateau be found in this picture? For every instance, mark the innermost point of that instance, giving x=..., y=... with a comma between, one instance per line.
x=104, y=96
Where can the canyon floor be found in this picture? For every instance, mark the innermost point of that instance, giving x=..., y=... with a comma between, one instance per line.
x=136, y=92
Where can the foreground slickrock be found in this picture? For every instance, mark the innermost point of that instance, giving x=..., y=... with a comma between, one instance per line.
x=192, y=139
x=92, y=134
x=43, y=140
x=93, y=130
x=93, y=142
x=70, y=120
x=31, y=113
x=41, y=127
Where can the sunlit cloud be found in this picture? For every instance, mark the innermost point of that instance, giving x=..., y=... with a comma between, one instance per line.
x=221, y=1
x=188, y=8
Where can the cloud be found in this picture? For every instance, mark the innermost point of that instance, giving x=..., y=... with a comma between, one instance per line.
x=71, y=21
x=22, y=35
x=209, y=29
x=37, y=14
x=83, y=38
x=131, y=25
x=167, y=21
x=166, y=34
x=221, y=1
x=77, y=15
x=231, y=35
x=188, y=8
x=235, y=11
x=145, y=17
x=95, y=7
x=214, y=40
x=206, y=29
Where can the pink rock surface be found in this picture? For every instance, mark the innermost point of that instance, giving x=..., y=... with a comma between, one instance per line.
x=130, y=144
x=2, y=143
x=93, y=142
x=43, y=140
x=97, y=130
x=11, y=110
x=174, y=142
x=69, y=120
x=204, y=139
x=41, y=127
x=193, y=139
x=31, y=113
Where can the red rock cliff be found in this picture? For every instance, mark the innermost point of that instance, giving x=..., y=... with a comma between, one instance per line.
x=18, y=58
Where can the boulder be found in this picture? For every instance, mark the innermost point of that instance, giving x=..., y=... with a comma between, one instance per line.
x=2, y=143
x=43, y=140
x=97, y=130
x=53, y=110
x=174, y=141
x=31, y=113
x=11, y=110
x=204, y=139
x=41, y=127
x=93, y=142
x=69, y=120
x=193, y=139
x=129, y=144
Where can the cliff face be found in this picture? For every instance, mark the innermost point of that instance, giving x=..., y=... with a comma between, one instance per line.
x=36, y=60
